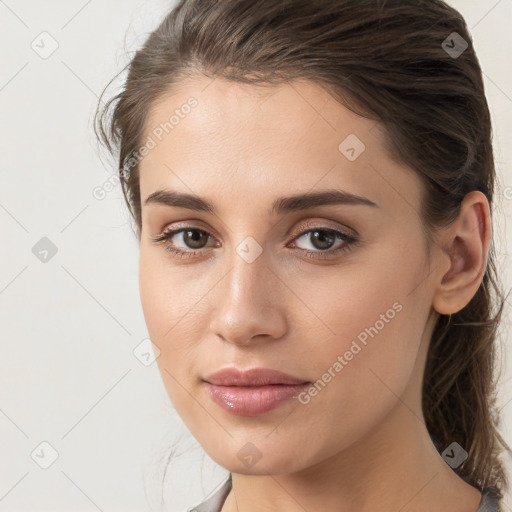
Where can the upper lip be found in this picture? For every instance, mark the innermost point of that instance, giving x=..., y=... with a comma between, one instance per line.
x=251, y=377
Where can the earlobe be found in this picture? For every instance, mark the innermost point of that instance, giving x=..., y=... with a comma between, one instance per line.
x=466, y=243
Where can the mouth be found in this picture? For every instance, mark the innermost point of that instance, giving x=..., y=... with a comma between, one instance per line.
x=252, y=377
x=253, y=392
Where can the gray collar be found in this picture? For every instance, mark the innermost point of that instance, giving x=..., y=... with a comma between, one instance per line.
x=214, y=502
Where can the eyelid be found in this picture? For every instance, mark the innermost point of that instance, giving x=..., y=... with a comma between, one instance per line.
x=195, y=224
x=298, y=230
x=306, y=226
x=170, y=232
x=345, y=234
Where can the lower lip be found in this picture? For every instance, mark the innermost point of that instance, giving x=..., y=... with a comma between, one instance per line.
x=253, y=400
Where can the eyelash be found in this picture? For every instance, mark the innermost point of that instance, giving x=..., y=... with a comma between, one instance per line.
x=348, y=240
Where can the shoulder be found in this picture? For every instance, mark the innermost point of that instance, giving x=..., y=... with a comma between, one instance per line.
x=214, y=502
x=490, y=501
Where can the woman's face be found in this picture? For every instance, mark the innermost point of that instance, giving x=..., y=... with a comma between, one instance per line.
x=338, y=294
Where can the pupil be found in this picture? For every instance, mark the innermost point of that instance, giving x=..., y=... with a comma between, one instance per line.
x=322, y=238
x=187, y=238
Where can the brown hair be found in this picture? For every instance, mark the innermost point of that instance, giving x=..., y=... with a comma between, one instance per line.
x=388, y=61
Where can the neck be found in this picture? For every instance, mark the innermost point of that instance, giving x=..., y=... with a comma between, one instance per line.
x=380, y=472
x=395, y=466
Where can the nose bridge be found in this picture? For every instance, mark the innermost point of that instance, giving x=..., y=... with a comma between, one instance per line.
x=246, y=305
x=249, y=266
x=248, y=262
x=247, y=282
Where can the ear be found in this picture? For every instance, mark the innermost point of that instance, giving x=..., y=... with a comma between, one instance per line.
x=465, y=247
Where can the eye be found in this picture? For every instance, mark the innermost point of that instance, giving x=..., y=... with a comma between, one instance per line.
x=192, y=237
x=323, y=239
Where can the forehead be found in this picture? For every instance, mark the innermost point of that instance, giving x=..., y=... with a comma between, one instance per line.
x=287, y=137
x=296, y=111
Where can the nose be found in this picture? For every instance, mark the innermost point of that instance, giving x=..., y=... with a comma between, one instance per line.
x=249, y=303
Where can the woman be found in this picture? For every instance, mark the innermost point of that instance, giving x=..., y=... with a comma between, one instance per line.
x=311, y=184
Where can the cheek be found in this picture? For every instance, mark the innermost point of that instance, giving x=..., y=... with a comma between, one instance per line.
x=170, y=315
x=358, y=299
x=377, y=324
x=170, y=311
x=169, y=298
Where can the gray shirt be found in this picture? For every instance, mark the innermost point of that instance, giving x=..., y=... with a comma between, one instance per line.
x=214, y=503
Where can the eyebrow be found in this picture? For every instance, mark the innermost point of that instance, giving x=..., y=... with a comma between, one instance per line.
x=279, y=206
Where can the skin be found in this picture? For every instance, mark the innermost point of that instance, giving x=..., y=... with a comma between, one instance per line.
x=361, y=444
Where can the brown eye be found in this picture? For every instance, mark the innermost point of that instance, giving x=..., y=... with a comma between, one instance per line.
x=194, y=238
x=323, y=239
x=322, y=243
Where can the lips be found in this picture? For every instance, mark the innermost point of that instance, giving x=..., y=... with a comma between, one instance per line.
x=252, y=392
x=252, y=377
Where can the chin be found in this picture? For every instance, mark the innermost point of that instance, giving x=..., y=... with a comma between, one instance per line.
x=250, y=461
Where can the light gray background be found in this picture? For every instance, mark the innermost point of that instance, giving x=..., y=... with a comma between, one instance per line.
x=69, y=326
